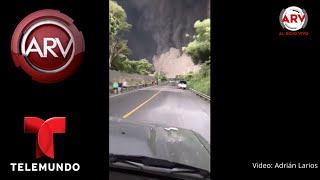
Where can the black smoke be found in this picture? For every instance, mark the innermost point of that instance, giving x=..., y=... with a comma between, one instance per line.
x=158, y=25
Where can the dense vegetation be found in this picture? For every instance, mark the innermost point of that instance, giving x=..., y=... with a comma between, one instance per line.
x=118, y=49
x=199, y=50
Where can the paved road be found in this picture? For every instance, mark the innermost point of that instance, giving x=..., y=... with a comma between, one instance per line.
x=169, y=105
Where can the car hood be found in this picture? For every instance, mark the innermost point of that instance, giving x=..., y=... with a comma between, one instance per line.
x=158, y=141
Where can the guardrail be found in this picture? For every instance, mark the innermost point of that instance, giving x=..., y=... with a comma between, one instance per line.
x=201, y=94
x=130, y=88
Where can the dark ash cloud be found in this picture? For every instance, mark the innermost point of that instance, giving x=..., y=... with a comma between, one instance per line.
x=158, y=25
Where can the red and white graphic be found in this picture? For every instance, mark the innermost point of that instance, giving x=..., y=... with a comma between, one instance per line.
x=293, y=19
x=45, y=131
x=47, y=46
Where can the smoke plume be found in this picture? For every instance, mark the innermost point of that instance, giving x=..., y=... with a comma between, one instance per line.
x=158, y=25
x=174, y=63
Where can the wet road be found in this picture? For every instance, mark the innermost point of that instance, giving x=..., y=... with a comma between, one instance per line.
x=164, y=104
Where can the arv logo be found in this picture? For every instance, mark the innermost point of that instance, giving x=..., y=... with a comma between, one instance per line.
x=293, y=19
x=47, y=46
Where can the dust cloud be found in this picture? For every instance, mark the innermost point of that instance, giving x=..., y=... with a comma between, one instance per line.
x=160, y=28
x=158, y=25
x=174, y=62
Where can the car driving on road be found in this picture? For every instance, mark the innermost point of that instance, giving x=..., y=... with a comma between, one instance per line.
x=142, y=150
x=182, y=84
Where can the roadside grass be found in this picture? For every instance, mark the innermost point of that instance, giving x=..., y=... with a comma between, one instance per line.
x=201, y=84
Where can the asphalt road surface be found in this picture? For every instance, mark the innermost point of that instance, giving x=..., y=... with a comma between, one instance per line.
x=163, y=104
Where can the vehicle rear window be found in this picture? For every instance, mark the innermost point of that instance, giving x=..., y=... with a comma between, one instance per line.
x=183, y=82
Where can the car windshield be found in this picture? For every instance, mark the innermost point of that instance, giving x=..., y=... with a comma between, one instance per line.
x=159, y=80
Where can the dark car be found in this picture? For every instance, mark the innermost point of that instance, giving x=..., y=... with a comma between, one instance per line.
x=169, y=152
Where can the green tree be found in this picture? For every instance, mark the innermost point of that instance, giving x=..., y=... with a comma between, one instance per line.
x=118, y=47
x=160, y=76
x=113, y=25
x=199, y=48
x=144, y=67
x=117, y=23
x=117, y=18
x=118, y=63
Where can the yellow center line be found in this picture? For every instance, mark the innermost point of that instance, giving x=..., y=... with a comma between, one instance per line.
x=135, y=109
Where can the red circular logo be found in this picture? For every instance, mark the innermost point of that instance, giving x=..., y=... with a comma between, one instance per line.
x=47, y=46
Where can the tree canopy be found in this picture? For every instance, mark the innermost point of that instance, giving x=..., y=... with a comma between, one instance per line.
x=199, y=48
x=142, y=66
x=117, y=23
x=117, y=18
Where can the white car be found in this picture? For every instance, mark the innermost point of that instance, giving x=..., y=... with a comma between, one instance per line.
x=182, y=85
